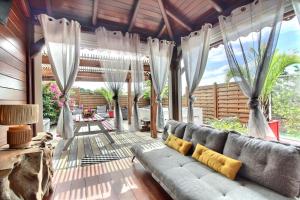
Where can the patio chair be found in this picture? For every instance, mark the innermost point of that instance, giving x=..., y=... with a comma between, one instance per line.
x=102, y=111
x=76, y=110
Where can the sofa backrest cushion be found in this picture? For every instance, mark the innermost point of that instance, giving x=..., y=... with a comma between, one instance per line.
x=177, y=128
x=211, y=138
x=273, y=165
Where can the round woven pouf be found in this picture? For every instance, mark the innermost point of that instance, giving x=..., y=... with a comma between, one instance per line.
x=19, y=136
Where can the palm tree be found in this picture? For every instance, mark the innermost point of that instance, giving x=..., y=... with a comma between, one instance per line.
x=108, y=96
x=279, y=63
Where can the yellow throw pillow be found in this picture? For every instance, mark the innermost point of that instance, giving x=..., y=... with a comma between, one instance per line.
x=222, y=164
x=178, y=144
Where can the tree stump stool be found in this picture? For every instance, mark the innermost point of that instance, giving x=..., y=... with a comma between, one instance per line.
x=27, y=173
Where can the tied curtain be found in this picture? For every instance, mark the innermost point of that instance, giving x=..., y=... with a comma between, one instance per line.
x=160, y=59
x=137, y=68
x=296, y=6
x=116, y=49
x=62, y=40
x=250, y=36
x=195, y=48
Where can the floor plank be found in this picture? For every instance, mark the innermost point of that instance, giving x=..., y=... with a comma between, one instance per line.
x=87, y=146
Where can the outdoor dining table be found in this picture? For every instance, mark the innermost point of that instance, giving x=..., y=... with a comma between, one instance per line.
x=96, y=120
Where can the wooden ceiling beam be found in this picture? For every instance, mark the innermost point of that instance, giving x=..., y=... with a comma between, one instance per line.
x=47, y=75
x=178, y=20
x=49, y=7
x=88, y=63
x=25, y=8
x=95, y=12
x=216, y=5
x=162, y=30
x=209, y=17
x=134, y=14
x=165, y=17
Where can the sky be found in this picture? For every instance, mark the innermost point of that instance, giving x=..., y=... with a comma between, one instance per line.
x=217, y=65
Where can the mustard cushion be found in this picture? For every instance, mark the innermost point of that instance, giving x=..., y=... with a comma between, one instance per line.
x=180, y=145
x=227, y=166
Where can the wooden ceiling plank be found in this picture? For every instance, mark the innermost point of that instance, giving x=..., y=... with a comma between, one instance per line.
x=135, y=11
x=165, y=17
x=179, y=21
x=216, y=6
x=49, y=7
x=95, y=12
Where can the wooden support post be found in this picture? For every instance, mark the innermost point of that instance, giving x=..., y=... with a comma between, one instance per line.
x=175, y=77
x=129, y=100
x=187, y=96
x=153, y=112
x=216, y=100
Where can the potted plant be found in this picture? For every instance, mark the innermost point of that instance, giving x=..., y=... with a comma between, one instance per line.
x=108, y=95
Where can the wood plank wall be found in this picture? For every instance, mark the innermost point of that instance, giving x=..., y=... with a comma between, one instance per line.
x=12, y=61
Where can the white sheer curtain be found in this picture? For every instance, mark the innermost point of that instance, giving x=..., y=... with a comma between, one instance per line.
x=117, y=49
x=296, y=6
x=195, y=48
x=160, y=59
x=62, y=39
x=137, y=69
x=250, y=36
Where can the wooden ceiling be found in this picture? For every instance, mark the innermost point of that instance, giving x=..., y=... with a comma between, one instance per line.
x=165, y=19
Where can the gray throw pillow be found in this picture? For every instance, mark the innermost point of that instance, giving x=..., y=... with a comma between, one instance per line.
x=273, y=165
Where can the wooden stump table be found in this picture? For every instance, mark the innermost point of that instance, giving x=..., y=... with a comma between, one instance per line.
x=27, y=173
x=145, y=125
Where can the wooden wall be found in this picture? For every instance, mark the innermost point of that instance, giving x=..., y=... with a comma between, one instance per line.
x=13, y=61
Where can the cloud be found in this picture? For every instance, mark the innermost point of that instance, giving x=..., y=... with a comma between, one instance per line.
x=210, y=72
x=217, y=54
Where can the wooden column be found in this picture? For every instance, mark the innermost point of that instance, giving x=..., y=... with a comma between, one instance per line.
x=175, y=84
x=153, y=111
x=129, y=100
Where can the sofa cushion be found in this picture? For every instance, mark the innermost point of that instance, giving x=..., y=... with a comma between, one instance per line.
x=271, y=164
x=176, y=128
x=187, y=179
x=224, y=165
x=178, y=144
x=211, y=138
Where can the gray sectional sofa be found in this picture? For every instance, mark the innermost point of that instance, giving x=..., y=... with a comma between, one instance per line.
x=270, y=170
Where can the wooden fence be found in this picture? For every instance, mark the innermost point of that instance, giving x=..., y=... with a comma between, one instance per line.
x=217, y=101
x=220, y=101
x=90, y=100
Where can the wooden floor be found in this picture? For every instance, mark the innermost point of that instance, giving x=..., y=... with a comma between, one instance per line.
x=116, y=180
